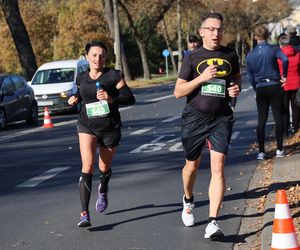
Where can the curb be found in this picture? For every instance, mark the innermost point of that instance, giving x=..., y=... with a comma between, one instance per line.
x=284, y=173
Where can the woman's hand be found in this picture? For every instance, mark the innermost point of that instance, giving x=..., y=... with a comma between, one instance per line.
x=102, y=95
x=73, y=100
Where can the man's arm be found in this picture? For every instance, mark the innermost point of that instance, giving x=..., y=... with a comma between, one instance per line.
x=184, y=88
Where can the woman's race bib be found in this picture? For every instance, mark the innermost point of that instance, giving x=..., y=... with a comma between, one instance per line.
x=214, y=87
x=97, y=109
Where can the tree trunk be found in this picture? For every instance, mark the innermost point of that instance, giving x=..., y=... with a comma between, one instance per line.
x=110, y=21
x=179, y=34
x=117, y=44
x=167, y=39
x=142, y=47
x=20, y=36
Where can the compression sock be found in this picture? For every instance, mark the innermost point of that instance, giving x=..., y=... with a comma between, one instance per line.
x=85, y=187
x=104, y=179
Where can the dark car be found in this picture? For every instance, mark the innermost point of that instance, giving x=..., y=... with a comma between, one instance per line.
x=17, y=101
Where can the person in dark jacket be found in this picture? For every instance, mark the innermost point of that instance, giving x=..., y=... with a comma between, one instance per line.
x=265, y=78
x=292, y=83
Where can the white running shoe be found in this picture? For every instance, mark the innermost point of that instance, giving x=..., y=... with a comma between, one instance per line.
x=261, y=156
x=280, y=154
x=213, y=231
x=187, y=214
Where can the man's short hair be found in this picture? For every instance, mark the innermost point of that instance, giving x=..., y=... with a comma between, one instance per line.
x=193, y=39
x=291, y=30
x=261, y=32
x=215, y=15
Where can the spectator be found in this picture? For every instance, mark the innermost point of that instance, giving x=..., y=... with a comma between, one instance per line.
x=292, y=83
x=265, y=78
x=294, y=39
x=193, y=43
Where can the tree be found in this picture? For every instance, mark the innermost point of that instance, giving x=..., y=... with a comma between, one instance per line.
x=20, y=37
x=109, y=16
x=143, y=18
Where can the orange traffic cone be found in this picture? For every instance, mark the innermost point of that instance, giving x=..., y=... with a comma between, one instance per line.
x=47, y=119
x=284, y=236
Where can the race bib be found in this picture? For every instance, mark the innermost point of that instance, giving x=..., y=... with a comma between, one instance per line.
x=97, y=109
x=214, y=87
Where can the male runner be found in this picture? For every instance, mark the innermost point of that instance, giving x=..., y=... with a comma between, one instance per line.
x=208, y=78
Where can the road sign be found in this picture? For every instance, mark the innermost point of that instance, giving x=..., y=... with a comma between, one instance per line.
x=166, y=53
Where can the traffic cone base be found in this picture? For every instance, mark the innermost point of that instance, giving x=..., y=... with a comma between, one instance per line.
x=47, y=120
x=284, y=236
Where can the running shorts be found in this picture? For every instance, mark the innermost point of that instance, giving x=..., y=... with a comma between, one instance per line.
x=107, y=139
x=198, y=128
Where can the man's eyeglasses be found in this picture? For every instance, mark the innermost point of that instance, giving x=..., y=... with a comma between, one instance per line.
x=213, y=29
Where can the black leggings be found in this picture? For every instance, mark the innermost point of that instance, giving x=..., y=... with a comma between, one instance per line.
x=266, y=96
x=290, y=97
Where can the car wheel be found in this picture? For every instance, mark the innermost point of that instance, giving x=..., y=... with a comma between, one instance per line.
x=3, y=119
x=34, y=114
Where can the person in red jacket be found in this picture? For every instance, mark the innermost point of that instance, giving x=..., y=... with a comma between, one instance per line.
x=292, y=83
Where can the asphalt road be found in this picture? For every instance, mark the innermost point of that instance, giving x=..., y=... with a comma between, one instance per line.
x=39, y=170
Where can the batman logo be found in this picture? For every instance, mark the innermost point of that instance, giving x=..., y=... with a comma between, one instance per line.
x=224, y=67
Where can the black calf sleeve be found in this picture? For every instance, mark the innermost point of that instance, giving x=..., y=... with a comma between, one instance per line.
x=85, y=187
x=125, y=96
x=104, y=179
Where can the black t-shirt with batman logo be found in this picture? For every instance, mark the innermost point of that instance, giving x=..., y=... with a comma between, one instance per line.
x=87, y=94
x=212, y=99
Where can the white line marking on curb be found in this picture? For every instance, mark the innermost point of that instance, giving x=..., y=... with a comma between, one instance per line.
x=171, y=119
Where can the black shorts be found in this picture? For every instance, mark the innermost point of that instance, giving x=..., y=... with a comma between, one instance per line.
x=107, y=139
x=198, y=128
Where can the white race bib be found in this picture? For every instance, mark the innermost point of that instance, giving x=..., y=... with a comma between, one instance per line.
x=214, y=87
x=97, y=109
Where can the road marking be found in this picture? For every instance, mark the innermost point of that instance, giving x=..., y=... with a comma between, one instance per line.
x=244, y=90
x=124, y=108
x=43, y=177
x=141, y=131
x=171, y=119
x=160, y=98
x=235, y=135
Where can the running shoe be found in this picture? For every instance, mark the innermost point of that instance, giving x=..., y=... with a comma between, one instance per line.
x=280, y=154
x=84, y=220
x=187, y=214
x=261, y=156
x=213, y=231
x=102, y=201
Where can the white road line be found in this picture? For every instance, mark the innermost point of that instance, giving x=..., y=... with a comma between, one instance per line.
x=171, y=119
x=160, y=98
x=235, y=135
x=141, y=131
x=124, y=108
x=244, y=90
x=43, y=177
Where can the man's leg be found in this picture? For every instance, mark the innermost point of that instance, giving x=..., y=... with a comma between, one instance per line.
x=217, y=183
x=189, y=173
x=188, y=178
x=216, y=194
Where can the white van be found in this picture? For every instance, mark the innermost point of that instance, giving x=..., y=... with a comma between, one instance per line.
x=54, y=82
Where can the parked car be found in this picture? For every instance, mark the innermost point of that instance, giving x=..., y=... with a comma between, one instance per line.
x=54, y=82
x=17, y=100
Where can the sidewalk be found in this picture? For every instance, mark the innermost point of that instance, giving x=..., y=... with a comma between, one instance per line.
x=286, y=172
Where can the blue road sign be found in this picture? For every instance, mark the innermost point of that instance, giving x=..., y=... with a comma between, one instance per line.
x=166, y=53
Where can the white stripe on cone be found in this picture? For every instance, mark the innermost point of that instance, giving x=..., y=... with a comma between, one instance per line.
x=282, y=211
x=284, y=241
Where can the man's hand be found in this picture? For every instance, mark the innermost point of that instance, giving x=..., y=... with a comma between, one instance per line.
x=283, y=80
x=233, y=90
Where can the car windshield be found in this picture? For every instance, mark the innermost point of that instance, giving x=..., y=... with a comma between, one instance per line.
x=54, y=76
